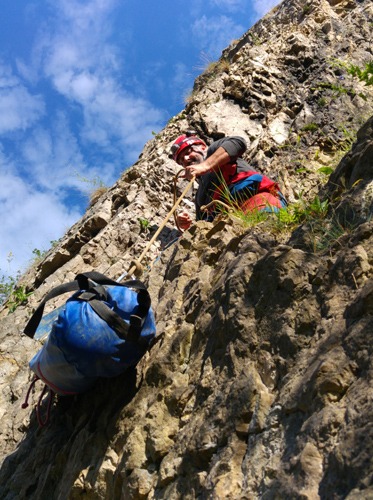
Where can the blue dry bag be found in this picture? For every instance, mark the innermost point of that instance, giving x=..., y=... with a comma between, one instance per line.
x=104, y=328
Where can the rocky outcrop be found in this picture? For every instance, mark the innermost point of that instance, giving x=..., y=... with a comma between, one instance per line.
x=260, y=384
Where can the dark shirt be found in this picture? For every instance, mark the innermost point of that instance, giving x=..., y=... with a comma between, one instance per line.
x=235, y=146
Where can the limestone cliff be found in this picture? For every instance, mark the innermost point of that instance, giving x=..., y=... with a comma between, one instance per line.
x=260, y=384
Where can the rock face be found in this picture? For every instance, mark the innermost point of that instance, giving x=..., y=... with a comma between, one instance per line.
x=260, y=384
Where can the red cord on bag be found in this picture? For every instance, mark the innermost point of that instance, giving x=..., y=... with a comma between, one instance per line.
x=51, y=395
x=25, y=404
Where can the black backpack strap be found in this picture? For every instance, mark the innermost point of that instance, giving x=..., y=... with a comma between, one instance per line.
x=113, y=319
x=101, y=279
x=35, y=319
x=140, y=313
x=94, y=295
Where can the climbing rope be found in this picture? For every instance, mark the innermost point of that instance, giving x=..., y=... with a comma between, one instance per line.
x=136, y=267
x=176, y=178
x=205, y=208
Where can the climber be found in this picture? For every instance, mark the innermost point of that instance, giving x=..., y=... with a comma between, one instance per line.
x=219, y=164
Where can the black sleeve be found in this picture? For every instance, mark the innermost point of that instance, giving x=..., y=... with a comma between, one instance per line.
x=235, y=146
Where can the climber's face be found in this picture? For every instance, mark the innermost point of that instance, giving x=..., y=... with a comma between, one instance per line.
x=192, y=155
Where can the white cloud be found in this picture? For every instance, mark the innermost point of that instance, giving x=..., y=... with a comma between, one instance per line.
x=84, y=86
x=115, y=114
x=30, y=219
x=85, y=15
x=213, y=34
x=83, y=66
x=55, y=163
x=230, y=5
x=262, y=7
x=74, y=53
x=181, y=83
x=18, y=108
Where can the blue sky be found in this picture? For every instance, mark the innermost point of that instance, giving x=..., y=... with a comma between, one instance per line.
x=83, y=84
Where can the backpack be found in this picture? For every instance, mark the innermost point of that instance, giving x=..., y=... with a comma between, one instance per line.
x=101, y=330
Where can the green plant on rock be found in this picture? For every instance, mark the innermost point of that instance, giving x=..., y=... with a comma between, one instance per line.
x=326, y=235
x=144, y=224
x=336, y=88
x=325, y=170
x=156, y=135
x=7, y=285
x=18, y=297
x=255, y=39
x=11, y=294
x=276, y=221
x=95, y=182
x=210, y=67
x=40, y=254
x=8, y=282
x=218, y=67
x=364, y=74
x=300, y=212
x=322, y=102
x=349, y=137
x=331, y=231
x=181, y=116
x=295, y=213
x=323, y=226
x=310, y=127
x=96, y=187
x=317, y=208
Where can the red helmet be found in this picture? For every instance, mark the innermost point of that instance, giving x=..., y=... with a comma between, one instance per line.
x=184, y=141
